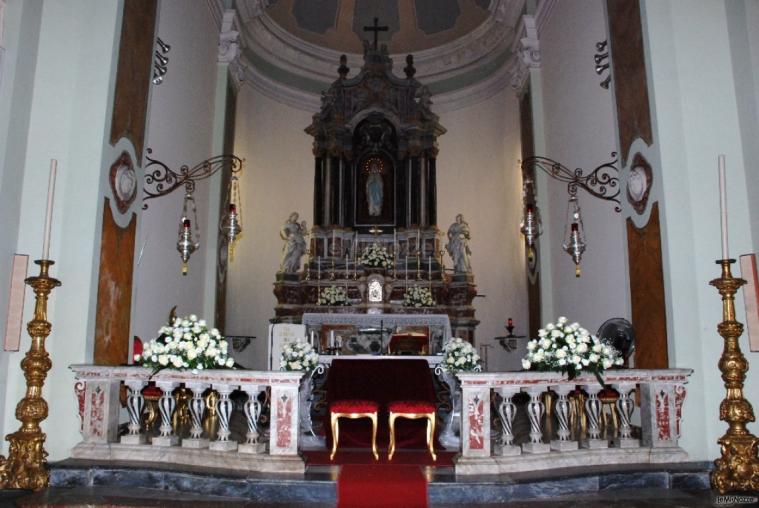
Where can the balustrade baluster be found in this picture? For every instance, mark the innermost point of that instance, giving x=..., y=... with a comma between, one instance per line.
x=563, y=443
x=135, y=405
x=224, y=409
x=166, y=405
x=252, y=409
x=535, y=411
x=593, y=410
x=625, y=408
x=507, y=410
x=197, y=410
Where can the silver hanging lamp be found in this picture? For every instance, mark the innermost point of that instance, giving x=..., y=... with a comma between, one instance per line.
x=574, y=233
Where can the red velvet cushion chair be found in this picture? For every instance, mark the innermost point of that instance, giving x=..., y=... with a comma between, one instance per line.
x=412, y=409
x=352, y=409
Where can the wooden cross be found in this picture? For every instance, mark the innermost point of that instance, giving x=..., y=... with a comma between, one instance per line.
x=376, y=29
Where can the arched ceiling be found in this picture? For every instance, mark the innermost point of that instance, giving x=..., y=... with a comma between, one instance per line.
x=412, y=25
x=291, y=48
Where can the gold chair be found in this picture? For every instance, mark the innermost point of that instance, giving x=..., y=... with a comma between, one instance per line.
x=353, y=409
x=412, y=409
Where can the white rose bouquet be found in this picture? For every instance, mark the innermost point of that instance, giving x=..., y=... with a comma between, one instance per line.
x=186, y=344
x=416, y=296
x=333, y=295
x=564, y=347
x=376, y=256
x=298, y=356
x=460, y=356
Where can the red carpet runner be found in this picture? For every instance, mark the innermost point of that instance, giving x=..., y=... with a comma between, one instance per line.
x=386, y=486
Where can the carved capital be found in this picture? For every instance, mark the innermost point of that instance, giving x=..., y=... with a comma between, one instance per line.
x=229, y=37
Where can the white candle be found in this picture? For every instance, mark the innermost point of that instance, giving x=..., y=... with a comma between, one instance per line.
x=319, y=268
x=332, y=338
x=723, y=204
x=49, y=209
x=334, y=244
x=429, y=268
x=313, y=343
x=395, y=242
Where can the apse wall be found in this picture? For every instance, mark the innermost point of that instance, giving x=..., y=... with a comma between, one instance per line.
x=579, y=130
x=476, y=176
x=180, y=131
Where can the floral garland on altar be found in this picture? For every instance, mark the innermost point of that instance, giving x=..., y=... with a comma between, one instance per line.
x=460, y=356
x=186, y=344
x=376, y=256
x=333, y=295
x=569, y=348
x=417, y=296
x=298, y=356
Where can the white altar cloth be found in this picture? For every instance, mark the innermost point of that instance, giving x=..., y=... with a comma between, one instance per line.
x=431, y=360
x=388, y=321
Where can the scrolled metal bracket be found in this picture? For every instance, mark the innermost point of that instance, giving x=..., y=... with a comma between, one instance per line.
x=161, y=180
x=602, y=182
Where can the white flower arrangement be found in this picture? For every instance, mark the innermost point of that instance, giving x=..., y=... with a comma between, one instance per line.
x=333, y=295
x=417, y=296
x=376, y=256
x=564, y=347
x=186, y=344
x=298, y=356
x=460, y=356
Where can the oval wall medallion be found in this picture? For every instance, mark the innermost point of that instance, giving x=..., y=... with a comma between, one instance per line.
x=639, y=181
x=123, y=181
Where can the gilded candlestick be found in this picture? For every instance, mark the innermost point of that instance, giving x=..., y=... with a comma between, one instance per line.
x=738, y=467
x=26, y=465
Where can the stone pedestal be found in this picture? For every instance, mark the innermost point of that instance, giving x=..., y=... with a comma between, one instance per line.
x=223, y=446
x=535, y=448
x=133, y=439
x=195, y=443
x=252, y=448
x=595, y=444
x=507, y=450
x=165, y=441
x=625, y=442
x=563, y=446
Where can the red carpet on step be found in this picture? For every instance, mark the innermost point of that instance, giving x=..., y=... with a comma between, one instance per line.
x=381, y=485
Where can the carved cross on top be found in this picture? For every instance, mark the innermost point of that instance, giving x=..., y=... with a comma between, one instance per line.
x=376, y=29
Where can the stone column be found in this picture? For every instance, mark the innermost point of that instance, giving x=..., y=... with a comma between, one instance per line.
x=563, y=443
x=625, y=408
x=535, y=411
x=507, y=411
x=197, y=410
x=252, y=410
x=224, y=410
x=166, y=405
x=593, y=410
x=135, y=405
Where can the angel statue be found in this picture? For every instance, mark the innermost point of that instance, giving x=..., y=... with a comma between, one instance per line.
x=295, y=244
x=458, y=245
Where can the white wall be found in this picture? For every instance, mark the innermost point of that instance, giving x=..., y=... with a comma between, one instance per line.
x=180, y=131
x=696, y=118
x=19, y=43
x=579, y=132
x=67, y=102
x=277, y=179
x=477, y=176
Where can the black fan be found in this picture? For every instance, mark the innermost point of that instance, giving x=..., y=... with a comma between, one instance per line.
x=618, y=332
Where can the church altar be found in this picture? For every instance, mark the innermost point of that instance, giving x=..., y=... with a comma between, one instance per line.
x=370, y=334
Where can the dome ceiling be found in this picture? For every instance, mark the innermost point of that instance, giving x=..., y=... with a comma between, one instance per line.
x=412, y=25
x=291, y=48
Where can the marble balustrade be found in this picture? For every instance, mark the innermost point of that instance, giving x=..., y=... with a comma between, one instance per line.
x=97, y=390
x=568, y=442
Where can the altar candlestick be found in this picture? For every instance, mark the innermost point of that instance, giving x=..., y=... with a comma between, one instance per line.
x=723, y=204
x=395, y=243
x=429, y=268
x=406, y=272
x=355, y=247
x=319, y=268
x=49, y=210
x=418, y=240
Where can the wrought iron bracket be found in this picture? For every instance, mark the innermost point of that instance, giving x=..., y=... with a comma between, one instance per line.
x=161, y=180
x=602, y=182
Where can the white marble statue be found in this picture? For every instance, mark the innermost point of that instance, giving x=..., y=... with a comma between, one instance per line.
x=295, y=244
x=458, y=245
x=374, y=193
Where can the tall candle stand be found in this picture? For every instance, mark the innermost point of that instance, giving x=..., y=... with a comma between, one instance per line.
x=26, y=465
x=738, y=467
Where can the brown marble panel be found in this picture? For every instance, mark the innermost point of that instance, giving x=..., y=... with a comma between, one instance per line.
x=647, y=293
x=114, y=303
x=629, y=73
x=130, y=100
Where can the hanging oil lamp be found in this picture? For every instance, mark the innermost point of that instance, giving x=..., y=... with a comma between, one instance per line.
x=188, y=242
x=574, y=233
